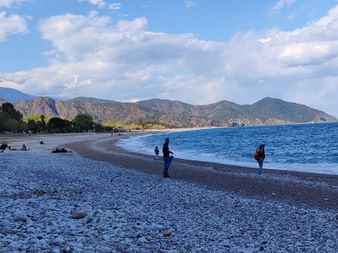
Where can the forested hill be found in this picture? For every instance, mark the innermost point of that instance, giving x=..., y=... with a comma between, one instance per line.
x=268, y=111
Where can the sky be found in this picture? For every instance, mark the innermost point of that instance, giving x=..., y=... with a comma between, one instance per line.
x=195, y=51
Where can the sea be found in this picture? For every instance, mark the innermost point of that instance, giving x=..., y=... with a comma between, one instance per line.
x=299, y=147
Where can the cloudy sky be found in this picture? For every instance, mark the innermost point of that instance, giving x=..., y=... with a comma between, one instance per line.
x=196, y=51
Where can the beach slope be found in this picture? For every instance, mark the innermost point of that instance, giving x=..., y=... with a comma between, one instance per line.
x=68, y=203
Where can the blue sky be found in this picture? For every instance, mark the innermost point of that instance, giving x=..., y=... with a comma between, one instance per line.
x=196, y=51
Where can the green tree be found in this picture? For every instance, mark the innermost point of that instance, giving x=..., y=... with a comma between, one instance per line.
x=32, y=125
x=59, y=125
x=11, y=125
x=83, y=122
x=8, y=111
x=34, y=117
x=10, y=118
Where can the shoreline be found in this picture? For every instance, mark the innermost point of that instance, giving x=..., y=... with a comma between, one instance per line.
x=295, y=168
x=315, y=168
x=299, y=188
x=239, y=165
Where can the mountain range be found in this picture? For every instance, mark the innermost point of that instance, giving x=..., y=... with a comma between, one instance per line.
x=13, y=95
x=268, y=111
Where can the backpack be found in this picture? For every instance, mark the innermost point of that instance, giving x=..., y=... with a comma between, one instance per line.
x=257, y=155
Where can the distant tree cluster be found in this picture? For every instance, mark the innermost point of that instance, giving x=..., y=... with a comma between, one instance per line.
x=36, y=123
x=135, y=125
x=12, y=120
x=81, y=123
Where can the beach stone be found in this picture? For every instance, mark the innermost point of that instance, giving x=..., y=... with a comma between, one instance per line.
x=167, y=233
x=39, y=193
x=89, y=220
x=65, y=250
x=56, y=250
x=56, y=242
x=149, y=238
x=142, y=240
x=20, y=219
x=78, y=215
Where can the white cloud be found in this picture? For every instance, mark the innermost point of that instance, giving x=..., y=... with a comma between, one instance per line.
x=115, y=6
x=11, y=24
x=103, y=4
x=10, y=3
x=93, y=56
x=97, y=3
x=281, y=4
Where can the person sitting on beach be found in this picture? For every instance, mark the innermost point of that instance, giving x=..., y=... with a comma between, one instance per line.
x=157, y=151
x=24, y=148
x=167, y=158
x=260, y=156
x=3, y=147
x=60, y=150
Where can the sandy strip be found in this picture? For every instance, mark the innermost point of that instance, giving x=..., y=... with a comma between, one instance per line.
x=304, y=189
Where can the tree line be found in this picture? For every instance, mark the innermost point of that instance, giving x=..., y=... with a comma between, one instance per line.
x=12, y=120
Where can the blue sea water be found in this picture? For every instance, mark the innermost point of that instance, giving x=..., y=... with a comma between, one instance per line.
x=308, y=147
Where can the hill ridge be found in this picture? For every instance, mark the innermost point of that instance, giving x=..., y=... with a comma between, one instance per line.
x=174, y=113
x=178, y=114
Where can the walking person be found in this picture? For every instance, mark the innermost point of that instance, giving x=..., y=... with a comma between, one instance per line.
x=259, y=157
x=157, y=151
x=167, y=158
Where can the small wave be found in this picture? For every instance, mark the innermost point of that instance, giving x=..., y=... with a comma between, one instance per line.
x=309, y=148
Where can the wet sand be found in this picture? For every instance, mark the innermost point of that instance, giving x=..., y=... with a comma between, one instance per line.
x=296, y=188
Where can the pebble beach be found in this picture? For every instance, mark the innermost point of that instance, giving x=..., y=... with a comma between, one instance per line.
x=69, y=203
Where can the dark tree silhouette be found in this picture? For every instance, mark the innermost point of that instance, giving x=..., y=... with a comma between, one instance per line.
x=8, y=111
x=83, y=122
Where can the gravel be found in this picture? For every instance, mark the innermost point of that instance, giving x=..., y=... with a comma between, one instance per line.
x=66, y=203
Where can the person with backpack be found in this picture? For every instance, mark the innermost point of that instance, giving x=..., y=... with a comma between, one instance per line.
x=260, y=156
x=167, y=158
